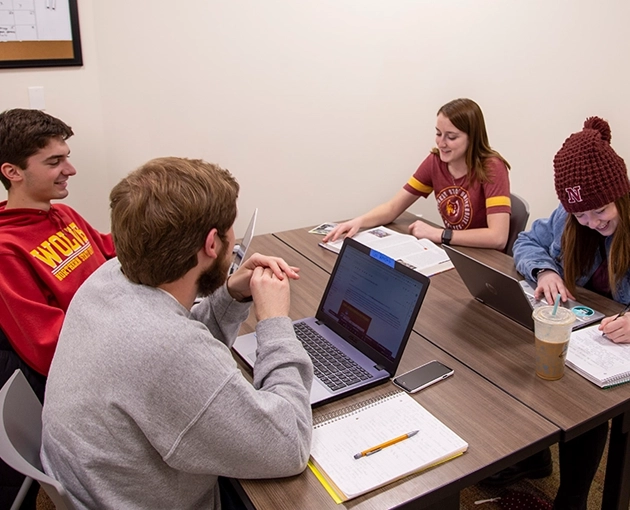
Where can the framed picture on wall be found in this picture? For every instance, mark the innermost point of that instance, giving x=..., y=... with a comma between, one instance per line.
x=39, y=33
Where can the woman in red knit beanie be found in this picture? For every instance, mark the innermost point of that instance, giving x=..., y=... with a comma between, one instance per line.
x=586, y=243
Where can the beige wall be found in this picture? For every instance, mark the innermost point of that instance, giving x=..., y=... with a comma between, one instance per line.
x=323, y=109
x=73, y=94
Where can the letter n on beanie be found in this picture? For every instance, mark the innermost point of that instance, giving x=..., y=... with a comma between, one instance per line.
x=588, y=173
x=574, y=194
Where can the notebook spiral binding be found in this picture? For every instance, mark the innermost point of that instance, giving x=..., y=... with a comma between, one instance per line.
x=340, y=414
x=617, y=380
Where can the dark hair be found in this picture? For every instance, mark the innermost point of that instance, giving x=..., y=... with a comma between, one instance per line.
x=580, y=244
x=23, y=133
x=466, y=116
x=162, y=212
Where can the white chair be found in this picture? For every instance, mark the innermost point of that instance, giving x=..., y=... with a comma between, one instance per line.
x=518, y=220
x=21, y=439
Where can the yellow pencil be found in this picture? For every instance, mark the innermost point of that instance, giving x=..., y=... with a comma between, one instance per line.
x=379, y=447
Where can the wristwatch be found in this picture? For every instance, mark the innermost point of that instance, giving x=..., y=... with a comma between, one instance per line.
x=447, y=235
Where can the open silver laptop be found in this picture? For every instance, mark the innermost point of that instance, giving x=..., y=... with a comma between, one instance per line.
x=241, y=249
x=507, y=295
x=362, y=324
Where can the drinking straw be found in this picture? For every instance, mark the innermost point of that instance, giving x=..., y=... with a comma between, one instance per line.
x=555, y=304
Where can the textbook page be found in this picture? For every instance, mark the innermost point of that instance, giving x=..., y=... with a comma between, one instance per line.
x=420, y=255
x=338, y=440
x=597, y=358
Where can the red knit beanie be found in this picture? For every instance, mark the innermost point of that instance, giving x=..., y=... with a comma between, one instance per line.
x=588, y=173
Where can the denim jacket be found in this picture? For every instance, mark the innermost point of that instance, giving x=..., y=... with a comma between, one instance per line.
x=540, y=248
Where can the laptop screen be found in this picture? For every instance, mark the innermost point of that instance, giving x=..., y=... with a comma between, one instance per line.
x=372, y=301
x=241, y=251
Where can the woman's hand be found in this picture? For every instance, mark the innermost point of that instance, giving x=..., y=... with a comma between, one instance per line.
x=616, y=328
x=549, y=285
x=421, y=230
x=349, y=228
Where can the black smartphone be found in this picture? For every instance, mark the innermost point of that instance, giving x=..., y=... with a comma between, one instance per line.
x=422, y=376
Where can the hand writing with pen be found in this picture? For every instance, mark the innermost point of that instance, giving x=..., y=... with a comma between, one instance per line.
x=617, y=327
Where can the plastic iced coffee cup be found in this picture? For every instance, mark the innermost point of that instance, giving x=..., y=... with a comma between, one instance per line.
x=552, y=333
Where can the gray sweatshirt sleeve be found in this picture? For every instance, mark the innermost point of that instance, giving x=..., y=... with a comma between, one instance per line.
x=257, y=431
x=222, y=315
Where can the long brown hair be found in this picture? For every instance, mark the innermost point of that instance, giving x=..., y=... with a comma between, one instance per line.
x=466, y=116
x=580, y=245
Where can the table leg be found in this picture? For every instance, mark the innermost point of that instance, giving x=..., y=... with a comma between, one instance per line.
x=448, y=503
x=617, y=483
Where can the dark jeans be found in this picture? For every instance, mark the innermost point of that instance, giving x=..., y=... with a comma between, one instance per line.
x=579, y=460
x=10, y=480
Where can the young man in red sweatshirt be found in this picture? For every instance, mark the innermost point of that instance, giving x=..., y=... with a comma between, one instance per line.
x=46, y=250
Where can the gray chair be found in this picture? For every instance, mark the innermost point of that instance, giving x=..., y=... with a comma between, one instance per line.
x=21, y=439
x=518, y=220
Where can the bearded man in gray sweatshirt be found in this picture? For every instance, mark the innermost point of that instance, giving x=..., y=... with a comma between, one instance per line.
x=145, y=406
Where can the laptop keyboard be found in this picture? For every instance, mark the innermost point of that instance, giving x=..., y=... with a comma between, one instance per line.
x=331, y=366
x=529, y=292
x=534, y=302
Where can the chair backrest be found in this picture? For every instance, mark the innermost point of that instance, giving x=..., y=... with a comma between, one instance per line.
x=21, y=436
x=518, y=220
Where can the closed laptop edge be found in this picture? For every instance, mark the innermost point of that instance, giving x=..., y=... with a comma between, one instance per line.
x=502, y=292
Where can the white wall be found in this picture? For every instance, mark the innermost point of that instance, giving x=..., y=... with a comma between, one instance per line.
x=72, y=94
x=323, y=109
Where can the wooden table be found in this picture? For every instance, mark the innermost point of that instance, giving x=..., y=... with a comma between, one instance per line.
x=307, y=244
x=502, y=351
x=499, y=429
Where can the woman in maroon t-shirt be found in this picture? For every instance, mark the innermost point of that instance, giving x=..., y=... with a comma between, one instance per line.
x=469, y=179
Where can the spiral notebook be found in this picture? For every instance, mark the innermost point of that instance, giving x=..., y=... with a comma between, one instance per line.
x=598, y=359
x=339, y=436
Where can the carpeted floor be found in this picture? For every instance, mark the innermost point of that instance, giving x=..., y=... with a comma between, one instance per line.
x=545, y=488
x=44, y=502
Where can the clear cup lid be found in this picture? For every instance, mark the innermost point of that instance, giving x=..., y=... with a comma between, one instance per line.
x=545, y=314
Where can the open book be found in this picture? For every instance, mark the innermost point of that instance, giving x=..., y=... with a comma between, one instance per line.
x=338, y=438
x=421, y=255
x=598, y=359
